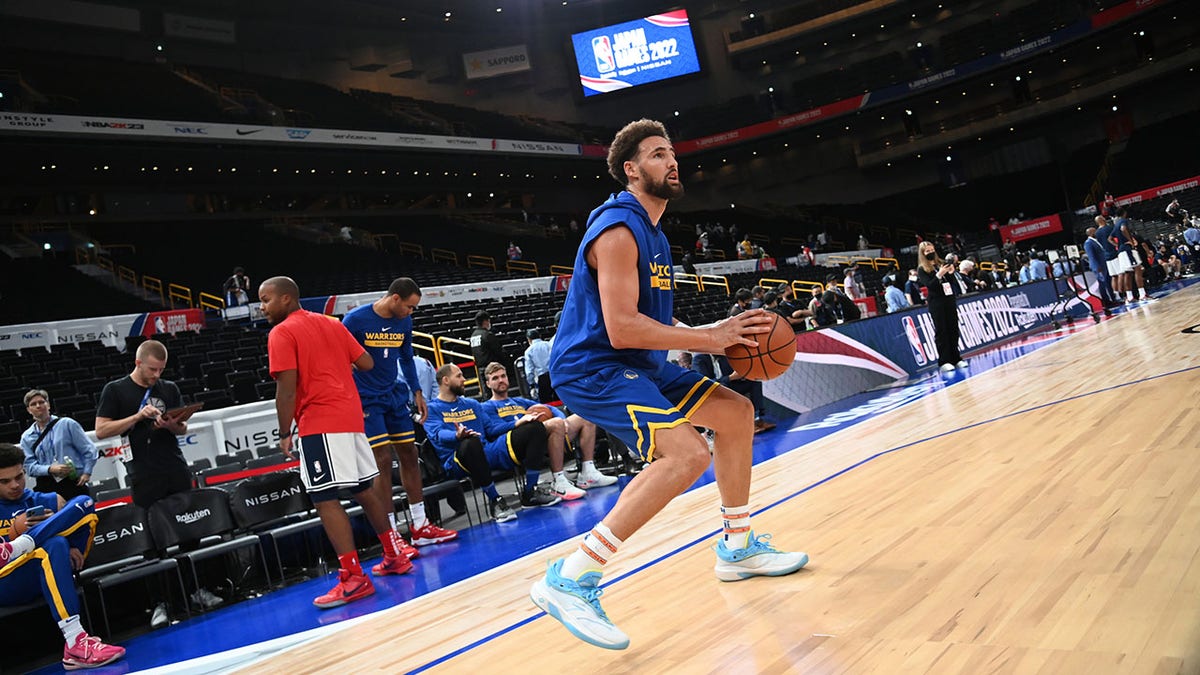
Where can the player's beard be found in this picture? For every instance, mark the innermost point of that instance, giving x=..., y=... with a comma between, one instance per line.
x=664, y=190
x=458, y=389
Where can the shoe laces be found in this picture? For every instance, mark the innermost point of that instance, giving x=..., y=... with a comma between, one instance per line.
x=590, y=594
x=761, y=544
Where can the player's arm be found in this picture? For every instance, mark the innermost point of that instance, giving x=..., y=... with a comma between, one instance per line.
x=285, y=407
x=614, y=256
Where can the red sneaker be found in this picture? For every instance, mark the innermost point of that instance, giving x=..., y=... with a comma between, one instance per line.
x=406, y=549
x=397, y=565
x=89, y=652
x=431, y=534
x=350, y=587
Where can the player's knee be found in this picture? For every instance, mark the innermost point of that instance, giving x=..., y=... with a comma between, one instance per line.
x=56, y=546
x=693, y=455
x=406, y=452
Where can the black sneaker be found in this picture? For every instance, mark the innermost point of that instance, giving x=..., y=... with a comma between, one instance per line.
x=501, y=512
x=539, y=497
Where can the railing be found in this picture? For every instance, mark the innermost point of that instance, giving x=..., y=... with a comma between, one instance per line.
x=485, y=261
x=688, y=280
x=409, y=248
x=378, y=240
x=676, y=251
x=127, y=274
x=863, y=260
x=468, y=360
x=887, y=263
x=767, y=282
x=209, y=301
x=442, y=254
x=800, y=287
x=715, y=280
x=180, y=293
x=562, y=270
x=521, y=266
x=154, y=285
x=837, y=260
x=431, y=348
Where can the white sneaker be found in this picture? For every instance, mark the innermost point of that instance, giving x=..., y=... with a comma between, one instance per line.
x=576, y=604
x=562, y=488
x=159, y=617
x=948, y=368
x=587, y=480
x=962, y=364
x=759, y=558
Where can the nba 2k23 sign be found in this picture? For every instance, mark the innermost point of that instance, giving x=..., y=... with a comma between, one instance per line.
x=634, y=53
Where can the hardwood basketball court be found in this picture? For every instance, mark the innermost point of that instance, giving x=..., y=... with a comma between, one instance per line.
x=1042, y=517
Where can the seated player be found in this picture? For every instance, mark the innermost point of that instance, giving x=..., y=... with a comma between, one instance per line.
x=471, y=443
x=559, y=429
x=41, y=559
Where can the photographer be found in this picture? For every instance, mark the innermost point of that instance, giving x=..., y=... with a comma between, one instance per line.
x=939, y=277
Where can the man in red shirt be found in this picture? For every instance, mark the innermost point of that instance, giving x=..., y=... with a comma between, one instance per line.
x=310, y=357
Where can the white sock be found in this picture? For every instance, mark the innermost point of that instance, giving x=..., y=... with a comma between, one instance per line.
x=593, y=553
x=736, y=530
x=392, y=519
x=560, y=476
x=1142, y=293
x=418, y=515
x=71, y=629
x=1129, y=294
x=22, y=545
x=589, y=467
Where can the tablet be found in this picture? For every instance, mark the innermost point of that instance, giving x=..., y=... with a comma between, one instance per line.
x=184, y=413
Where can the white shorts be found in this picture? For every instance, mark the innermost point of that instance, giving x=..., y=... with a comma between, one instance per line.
x=329, y=462
x=1129, y=260
x=1114, y=266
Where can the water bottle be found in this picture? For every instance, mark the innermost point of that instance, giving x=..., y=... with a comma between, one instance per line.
x=74, y=475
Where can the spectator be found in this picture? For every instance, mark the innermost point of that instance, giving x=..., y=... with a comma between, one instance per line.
x=745, y=248
x=456, y=427
x=514, y=251
x=237, y=288
x=895, y=298
x=756, y=300
x=912, y=288
x=789, y=308
x=486, y=347
x=863, y=244
x=62, y=531
x=347, y=234
x=426, y=375
x=821, y=313
x=1039, y=270
x=1108, y=208
x=741, y=301
x=970, y=276
x=843, y=307
x=854, y=290
x=1175, y=212
x=58, y=454
x=537, y=367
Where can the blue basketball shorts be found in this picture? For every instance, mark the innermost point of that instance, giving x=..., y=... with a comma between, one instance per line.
x=386, y=417
x=633, y=404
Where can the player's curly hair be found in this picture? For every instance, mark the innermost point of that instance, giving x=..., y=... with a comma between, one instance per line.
x=625, y=145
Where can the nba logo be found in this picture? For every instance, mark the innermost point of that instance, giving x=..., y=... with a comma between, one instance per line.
x=604, y=55
x=914, y=341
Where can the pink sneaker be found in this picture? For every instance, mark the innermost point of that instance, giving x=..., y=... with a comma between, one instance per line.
x=432, y=534
x=89, y=652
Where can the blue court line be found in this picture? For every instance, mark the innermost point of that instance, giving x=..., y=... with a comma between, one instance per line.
x=464, y=649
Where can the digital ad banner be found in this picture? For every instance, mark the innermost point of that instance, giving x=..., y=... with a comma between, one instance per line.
x=633, y=53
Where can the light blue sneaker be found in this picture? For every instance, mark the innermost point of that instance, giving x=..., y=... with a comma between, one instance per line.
x=576, y=604
x=759, y=558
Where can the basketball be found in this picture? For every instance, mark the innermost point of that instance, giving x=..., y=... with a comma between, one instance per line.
x=543, y=412
x=771, y=357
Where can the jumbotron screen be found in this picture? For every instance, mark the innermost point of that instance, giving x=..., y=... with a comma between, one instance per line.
x=634, y=53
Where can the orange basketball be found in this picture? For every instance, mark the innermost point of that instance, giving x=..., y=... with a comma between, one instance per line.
x=771, y=357
x=543, y=412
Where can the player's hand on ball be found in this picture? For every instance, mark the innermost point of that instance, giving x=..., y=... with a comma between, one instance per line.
x=737, y=330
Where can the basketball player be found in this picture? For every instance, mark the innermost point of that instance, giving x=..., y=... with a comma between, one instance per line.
x=609, y=365
x=311, y=355
x=508, y=409
x=384, y=328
